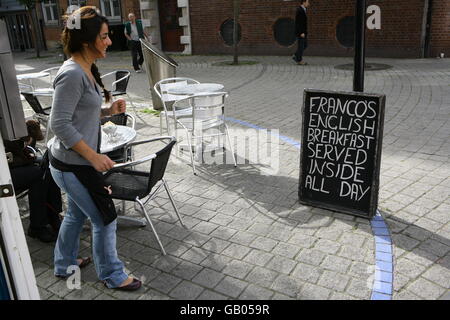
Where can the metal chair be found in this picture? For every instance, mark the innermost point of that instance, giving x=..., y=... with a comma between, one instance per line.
x=205, y=120
x=49, y=90
x=42, y=114
x=161, y=88
x=119, y=84
x=135, y=185
x=123, y=119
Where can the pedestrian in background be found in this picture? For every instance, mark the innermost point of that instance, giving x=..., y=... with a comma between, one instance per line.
x=133, y=32
x=301, y=31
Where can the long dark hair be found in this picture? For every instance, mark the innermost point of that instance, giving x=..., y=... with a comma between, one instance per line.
x=83, y=26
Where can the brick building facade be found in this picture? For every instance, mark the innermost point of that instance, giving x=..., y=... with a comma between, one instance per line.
x=116, y=11
x=403, y=32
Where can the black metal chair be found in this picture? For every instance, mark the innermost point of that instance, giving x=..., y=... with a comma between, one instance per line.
x=40, y=112
x=122, y=119
x=136, y=185
x=119, y=85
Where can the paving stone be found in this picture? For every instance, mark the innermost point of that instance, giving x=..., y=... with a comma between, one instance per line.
x=404, y=242
x=195, y=255
x=287, y=285
x=336, y=264
x=400, y=281
x=254, y=292
x=243, y=238
x=236, y=251
x=439, y=275
x=262, y=277
x=302, y=240
x=216, y=245
x=307, y=273
x=334, y=281
x=408, y=268
x=164, y=282
x=426, y=289
x=186, y=291
x=238, y=269
x=211, y=295
x=147, y=273
x=258, y=257
x=435, y=247
x=231, y=287
x=281, y=264
x=311, y=256
x=359, y=289
x=286, y=250
x=86, y=293
x=327, y=246
x=186, y=270
x=216, y=261
x=208, y=278
x=223, y=233
x=313, y=292
x=264, y=244
x=405, y=295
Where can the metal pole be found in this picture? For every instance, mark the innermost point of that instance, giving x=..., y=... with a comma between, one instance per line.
x=360, y=28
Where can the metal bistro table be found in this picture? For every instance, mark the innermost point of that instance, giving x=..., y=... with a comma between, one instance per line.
x=31, y=76
x=195, y=88
x=124, y=135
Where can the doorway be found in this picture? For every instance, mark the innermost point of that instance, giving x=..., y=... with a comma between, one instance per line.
x=171, y=31
x=19, y=31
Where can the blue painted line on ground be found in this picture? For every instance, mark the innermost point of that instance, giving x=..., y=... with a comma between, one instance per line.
x=282, y=138
x=384, y=248
x=382, y=287
x=380, y=231
x=383, y=256
x=380, y=296
x=383, y=240
x=383, y=276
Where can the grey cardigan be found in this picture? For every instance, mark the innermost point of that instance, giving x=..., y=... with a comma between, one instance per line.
x=75, y=113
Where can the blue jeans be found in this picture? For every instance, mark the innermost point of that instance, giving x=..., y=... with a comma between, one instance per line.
x=80, y=206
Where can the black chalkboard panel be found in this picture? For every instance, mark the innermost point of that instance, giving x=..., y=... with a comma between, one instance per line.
x=340, y=153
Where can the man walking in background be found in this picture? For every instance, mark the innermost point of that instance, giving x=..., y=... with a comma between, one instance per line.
x=301, y=32
x=133, y=32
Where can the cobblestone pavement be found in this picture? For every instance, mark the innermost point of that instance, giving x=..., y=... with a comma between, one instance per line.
x=247, y=237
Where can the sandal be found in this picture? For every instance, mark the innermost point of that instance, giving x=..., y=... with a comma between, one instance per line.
x=134, y=285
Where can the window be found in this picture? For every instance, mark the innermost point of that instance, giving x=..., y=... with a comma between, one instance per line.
x=50, y=11
x=78, y=3
x=111, y=9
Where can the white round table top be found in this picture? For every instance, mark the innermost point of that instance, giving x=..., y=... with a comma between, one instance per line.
x=123, y=136
x=196, y=88
x=34, y=75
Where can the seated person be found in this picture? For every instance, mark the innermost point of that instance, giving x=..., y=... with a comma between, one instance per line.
x=27, y=173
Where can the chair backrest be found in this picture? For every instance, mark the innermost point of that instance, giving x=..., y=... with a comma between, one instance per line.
x=122, y=85
x=162, y=86
x=119, y=119
x=159, y=164
x=35, y=104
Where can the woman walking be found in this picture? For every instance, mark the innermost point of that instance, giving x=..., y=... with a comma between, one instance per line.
x=76, y=163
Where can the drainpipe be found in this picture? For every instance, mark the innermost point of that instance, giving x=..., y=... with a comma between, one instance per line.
x=425, y=37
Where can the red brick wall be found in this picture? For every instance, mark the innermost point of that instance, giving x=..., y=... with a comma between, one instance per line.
x=400, y=34
x=440, y=28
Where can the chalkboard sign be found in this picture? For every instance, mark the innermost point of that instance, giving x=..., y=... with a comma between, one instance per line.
x=340, y=154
